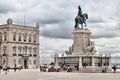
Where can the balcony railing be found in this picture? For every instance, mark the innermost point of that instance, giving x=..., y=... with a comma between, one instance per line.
x=14, y=54
x=30, y=54
x=19, y=54
x=34, y=55
x=25, y=55
x=4, y=54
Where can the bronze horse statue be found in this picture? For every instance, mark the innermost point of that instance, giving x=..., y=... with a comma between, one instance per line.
x=80, y=19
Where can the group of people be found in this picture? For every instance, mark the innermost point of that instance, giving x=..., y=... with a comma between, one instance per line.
x=104, y=70
x=6, y=69
x=66, y=68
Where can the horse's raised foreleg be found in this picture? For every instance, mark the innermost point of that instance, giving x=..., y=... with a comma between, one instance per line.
x=81, y=26
x=76, y=25
x=85, y=24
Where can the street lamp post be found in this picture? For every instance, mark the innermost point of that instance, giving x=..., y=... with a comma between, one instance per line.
x=0, y=53
x=63, y=59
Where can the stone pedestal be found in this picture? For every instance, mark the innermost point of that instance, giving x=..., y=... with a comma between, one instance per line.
x=83, y=52
x=81, y=39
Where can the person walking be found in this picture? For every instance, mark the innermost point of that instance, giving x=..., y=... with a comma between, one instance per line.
x=15, y=68
x=0, y=68
x=5, y=69
x=114, y=68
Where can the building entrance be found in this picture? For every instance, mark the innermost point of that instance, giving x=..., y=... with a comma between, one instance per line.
x=25, y=63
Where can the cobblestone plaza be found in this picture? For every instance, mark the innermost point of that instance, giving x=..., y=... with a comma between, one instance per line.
x=35, y=74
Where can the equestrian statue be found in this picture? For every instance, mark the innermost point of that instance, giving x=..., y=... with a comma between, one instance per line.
x=80, y=19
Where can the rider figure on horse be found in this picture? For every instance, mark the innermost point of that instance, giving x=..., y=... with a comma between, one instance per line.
x=79, y=12
x=80, y=19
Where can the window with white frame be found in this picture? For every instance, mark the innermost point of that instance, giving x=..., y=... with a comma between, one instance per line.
x=4, y=61
x=25, y=37
x=5, y=36
x=29, y=38
x=30, y=51
x=34, y=51
x=30, y=62
x=25, y=50
x=14, y=37
x=34, y=62
x=14, y=61
x=19, y=50
x=14, y=51
x=19, y=37
x=4, y=50
x=34, y=38
x=19, y=61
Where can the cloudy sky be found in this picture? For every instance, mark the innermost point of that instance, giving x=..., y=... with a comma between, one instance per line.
x=56, y=18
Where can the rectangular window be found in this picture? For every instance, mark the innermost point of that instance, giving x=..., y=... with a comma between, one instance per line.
x=19, y=51
x=19, y=62
x=30, y=62
x=5, y=36
x=25, y=37
x=34, y=39
x=4, y=61
x=25, y=50
x=19, y=38
x=14, y=37
x=4, y=50
x=30, y=51
x=34, y=61
x=14, y=62
x=34, y=52
x=14, y=51
x=29, y=38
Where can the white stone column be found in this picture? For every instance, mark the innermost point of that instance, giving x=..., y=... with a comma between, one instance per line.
x=80, y=63
x=63, y=60
x=56, y=59
x=38, y=57
x=110, y=65
x=93, y=63
x=0, y=60
x=27, y=50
